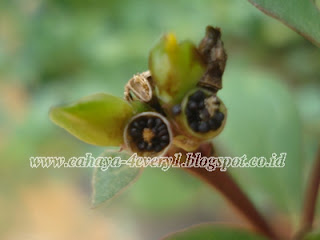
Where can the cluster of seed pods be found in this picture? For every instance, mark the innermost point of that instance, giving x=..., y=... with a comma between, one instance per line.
x=200, y=114
x=173, y=103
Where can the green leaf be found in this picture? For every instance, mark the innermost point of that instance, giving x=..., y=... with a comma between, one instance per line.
x=214, y=232
x=263, y=119
x=107, y=183
x=301, y=15
x=99, y=119
x=176, y=68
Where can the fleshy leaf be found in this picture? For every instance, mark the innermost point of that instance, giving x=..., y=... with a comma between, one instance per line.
x=175, y=68
x=213, y=232
x=98, y=119
x=107, y=183
x=301, y=15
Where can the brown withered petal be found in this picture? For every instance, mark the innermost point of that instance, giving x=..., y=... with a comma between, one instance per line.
x=212, y=50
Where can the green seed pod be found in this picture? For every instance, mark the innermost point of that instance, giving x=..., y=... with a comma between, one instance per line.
x=175, y=68
x=148, y=134
x=202, y=115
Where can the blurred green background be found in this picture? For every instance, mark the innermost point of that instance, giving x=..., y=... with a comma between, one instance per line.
x=57, y=51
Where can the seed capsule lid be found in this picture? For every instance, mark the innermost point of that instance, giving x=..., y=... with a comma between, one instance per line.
x=139, y=87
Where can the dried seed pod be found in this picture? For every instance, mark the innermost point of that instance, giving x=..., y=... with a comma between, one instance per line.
x=139, y=87
x=148, y=134
x=212, y=50
x=203, y=114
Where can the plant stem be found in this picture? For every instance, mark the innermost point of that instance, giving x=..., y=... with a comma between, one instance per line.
x=311, y=197
x=226, y=185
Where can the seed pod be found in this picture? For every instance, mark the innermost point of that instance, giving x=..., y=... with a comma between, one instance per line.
x=175, y=68
x=139, y=87
x=148, y=134
x=203, y=114
x=212, y=50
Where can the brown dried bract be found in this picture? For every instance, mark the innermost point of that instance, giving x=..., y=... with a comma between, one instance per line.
x=140, y=87
x=212, y=50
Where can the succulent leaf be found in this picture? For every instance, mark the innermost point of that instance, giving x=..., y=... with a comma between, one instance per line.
x=98, y=119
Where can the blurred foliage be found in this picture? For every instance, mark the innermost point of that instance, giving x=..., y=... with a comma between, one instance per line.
x=57, y=51
x=211, y=232
x=303, y=16
x=262, y=120
x=313, y=236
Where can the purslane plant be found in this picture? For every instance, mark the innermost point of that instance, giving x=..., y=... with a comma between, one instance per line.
x=173, y=107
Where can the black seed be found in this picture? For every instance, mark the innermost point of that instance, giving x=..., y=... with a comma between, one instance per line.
x=164, y=138
x=163, y=144
x=154, y=130
x=198, y=95
x=134, y=132
x=163, y=132
x=219, y=116
x=194, y=126
x=150, y=122
x=192, y=105
x=203, y=127
x=216, y=121
x=155, y=141
x=142, y=123
x=149, y=147
x=213, y=123
x=162, y=127
x=142, y=145
x=158, y=121
x=135, y=124
x=193, y=118
x=157, y=148
x=201, y=105
x=189, y=113
x=176, y=109
x=166, y=142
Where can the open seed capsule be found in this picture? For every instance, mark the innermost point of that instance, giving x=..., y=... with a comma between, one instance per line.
x=148, y=134
x=139, y=87
x=203, y=114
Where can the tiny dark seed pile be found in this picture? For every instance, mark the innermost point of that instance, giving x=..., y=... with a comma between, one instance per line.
x=176, y=109
x=159, y=129
x=198, y=116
